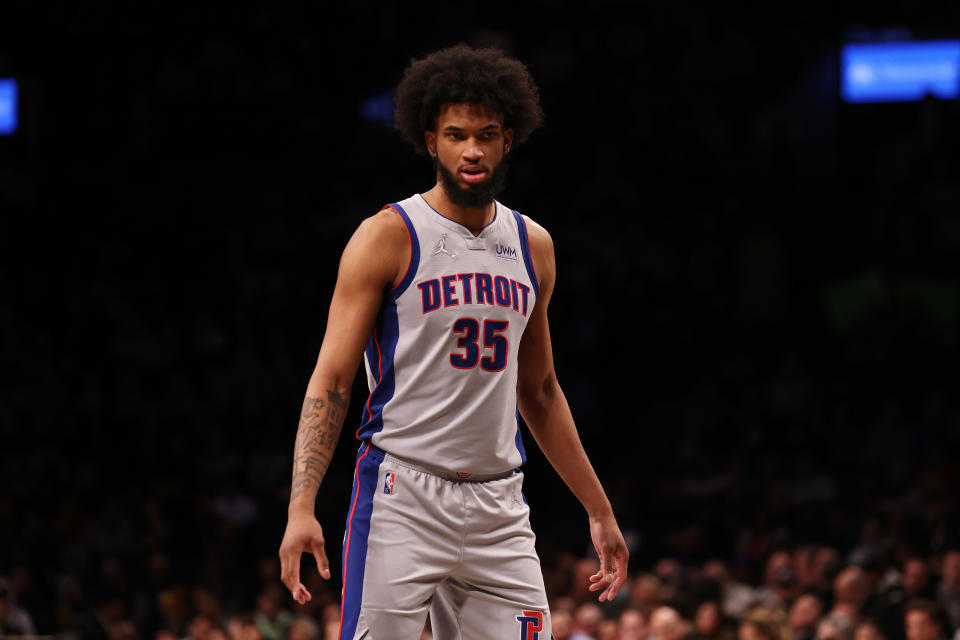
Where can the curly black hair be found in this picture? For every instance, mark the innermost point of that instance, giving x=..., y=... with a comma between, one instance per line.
x=464, y=75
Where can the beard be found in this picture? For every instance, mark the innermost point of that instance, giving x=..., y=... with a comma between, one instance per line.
x=476, y=197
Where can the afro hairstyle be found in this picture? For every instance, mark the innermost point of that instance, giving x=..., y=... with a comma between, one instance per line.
x=464, y=75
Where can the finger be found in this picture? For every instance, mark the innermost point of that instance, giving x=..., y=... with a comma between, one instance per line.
x=599, y=581
x=301, y=595
x=320, y=555
x=290, y=575
x=620, y=576
x=614, y=588
x=290, y=569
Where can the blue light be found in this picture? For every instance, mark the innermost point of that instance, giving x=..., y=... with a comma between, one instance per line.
x=378, y=110
x=901, y=71
x=8, y=106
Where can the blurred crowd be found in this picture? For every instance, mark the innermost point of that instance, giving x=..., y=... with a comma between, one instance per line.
x=756, y=320
x=805, y=593
x=808, y=592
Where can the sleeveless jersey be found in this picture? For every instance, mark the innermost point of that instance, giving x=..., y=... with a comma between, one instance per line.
x=442, y=361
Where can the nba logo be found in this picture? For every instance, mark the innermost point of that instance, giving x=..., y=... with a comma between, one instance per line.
x=531, y=624
x=388, y=483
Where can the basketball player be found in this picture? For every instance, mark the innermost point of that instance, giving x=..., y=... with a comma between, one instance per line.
x=445, y=295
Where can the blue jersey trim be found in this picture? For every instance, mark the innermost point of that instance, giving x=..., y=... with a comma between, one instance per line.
x=518, y=440
x=354, y=553
x=414, y=252
x=525, y=249
x=380, y=351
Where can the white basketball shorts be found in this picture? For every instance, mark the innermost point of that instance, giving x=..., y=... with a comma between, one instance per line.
x=421, y=540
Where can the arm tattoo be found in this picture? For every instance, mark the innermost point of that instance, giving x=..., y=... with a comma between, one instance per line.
x=317, y=435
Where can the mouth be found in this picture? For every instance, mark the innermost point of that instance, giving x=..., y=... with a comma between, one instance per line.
x=473, y=175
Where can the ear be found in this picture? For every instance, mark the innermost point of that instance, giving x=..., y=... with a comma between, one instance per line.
x=507, y=140
x=430, y=138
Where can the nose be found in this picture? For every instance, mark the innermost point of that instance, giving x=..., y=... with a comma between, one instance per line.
x=472, y=151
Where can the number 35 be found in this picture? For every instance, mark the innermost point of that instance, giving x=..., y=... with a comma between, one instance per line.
x=492, y=339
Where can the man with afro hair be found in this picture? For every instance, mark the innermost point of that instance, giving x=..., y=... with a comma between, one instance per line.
x=444, y=295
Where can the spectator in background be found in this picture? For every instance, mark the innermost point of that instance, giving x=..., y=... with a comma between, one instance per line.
x=271, y=618
x=766, y=622
x=165, y=634
x=757, y=630
x=804, y=616
x=826, y=566
x=304, y=628
x=923, y=621
x=199, y=628
x=561, y=621
x=868, y=630
x=108, y=609
x=805, y=568
x=709, y=623
x=736, y=597
x=608, y=630
x=834, y=627
x=914, y=583
x=13, y=619
x=582, y=570
x=586, y=621
x=217, y=633
x=243, y=627
x=779, y=581
x=948, y=593
x=666, y=624
x=331, y=621
x=645, y=593
x=850, y=591
x=173, y=609
x=632, y=625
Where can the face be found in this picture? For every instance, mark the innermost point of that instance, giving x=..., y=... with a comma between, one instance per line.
x=867, y=632
x=469, y=146
x=749, y=632
x=804, y=613
x=920, y=626
x=914, y=575
x=632, y=625
x=951, y=569
x=707, y=618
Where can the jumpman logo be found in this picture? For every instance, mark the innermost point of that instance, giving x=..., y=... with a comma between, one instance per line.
x=441, y=247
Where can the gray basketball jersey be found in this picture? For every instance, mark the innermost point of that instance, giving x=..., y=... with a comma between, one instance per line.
x=442, y=361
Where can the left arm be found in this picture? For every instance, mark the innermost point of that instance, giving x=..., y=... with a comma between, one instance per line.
x=544, y=408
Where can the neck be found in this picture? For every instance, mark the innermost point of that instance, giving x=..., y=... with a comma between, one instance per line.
x=473, y=218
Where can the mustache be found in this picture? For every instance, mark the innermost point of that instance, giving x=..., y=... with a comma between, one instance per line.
x=475, y=197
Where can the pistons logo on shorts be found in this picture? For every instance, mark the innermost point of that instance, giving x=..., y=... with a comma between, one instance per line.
x=388, y=483
x=531, y=624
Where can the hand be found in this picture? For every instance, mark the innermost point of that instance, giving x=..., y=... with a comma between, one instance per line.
x=303, y=535
x=610, y=546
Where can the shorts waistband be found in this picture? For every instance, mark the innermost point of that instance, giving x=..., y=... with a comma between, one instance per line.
x=453, y=476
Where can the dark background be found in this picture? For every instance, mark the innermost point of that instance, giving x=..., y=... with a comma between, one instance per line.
x=755, y=320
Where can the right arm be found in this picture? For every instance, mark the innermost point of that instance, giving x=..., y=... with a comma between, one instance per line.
x=374, y=260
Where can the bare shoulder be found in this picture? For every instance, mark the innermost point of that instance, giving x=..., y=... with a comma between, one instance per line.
x=385, y=226
x=537, y=233
x=541, y=248
x=381, y=242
